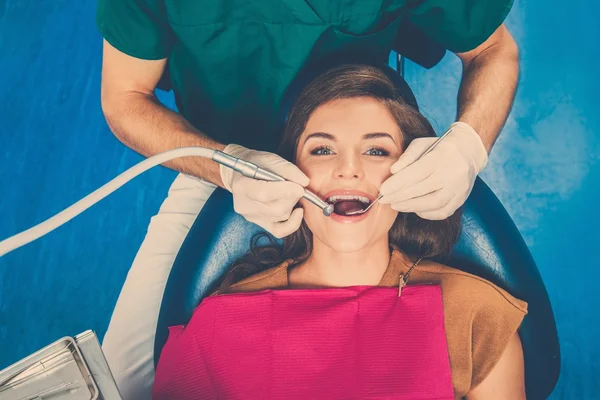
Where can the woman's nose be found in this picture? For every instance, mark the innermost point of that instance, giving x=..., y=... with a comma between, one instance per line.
x=348, y=167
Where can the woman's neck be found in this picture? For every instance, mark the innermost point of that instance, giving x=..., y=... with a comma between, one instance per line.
x=330, y=268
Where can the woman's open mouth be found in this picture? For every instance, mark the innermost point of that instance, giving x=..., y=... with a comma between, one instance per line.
x=348, y=205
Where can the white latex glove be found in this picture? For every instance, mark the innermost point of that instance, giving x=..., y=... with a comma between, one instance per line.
x=435, y=186
x=269, y=205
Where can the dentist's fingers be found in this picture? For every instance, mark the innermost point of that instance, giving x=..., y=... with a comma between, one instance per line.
x=442, y=178
x=422, y=189
x=285, y=169
x=392, y=189
x=427, y=203
x=285, y=228
x=266, y=203
x=273, y=201
x=267, y=192
x=412, y=153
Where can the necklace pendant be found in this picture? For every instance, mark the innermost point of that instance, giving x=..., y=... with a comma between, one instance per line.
x=401, y=284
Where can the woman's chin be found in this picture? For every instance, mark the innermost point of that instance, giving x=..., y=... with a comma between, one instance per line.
x=349, y=239
x=347, y=245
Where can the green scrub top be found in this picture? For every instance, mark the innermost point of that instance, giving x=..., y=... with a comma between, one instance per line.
x=230, y=61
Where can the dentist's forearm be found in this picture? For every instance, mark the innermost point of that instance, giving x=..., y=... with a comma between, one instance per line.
x=488, y=88
x=146, y=126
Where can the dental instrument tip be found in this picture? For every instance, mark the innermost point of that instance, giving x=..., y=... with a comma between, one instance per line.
x=366, y=209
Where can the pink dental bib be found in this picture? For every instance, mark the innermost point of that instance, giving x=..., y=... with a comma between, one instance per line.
x=342, y=343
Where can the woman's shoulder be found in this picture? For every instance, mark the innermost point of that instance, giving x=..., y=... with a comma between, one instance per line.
x=480, y=318
x=466, y=286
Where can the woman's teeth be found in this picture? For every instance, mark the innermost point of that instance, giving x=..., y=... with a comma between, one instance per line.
x=334, y=199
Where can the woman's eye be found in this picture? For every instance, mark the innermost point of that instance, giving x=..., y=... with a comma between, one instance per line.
x=322, y=151
x=377, y=151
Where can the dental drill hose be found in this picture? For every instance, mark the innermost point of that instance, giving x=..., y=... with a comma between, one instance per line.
x=241, y=166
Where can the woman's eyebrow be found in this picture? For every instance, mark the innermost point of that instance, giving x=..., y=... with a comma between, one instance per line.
x=376, y=135
x=322, y=135
x=366, y=136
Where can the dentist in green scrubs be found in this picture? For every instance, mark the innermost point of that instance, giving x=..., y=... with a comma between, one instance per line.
x=229, y=63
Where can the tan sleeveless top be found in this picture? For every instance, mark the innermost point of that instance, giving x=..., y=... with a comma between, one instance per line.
x=480, y=318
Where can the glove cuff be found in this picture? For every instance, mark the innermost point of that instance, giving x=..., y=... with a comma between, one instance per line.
x=472, y=142
x=227, y=173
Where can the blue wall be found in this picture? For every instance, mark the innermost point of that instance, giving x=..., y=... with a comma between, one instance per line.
x=55, y=148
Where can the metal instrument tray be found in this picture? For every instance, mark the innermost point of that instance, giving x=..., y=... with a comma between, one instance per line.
x=57, y=371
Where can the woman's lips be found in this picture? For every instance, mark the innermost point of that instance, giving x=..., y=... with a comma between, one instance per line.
x=348, y=219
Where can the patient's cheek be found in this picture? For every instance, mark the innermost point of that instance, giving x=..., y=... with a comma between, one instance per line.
x=315, y=175
x=302, y=166
x=381, y=174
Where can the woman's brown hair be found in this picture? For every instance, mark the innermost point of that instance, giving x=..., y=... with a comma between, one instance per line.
x=411, y=234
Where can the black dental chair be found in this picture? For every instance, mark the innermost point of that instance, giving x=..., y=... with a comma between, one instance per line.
x=490, y=246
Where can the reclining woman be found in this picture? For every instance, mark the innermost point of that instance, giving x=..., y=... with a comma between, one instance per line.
x=350, y=306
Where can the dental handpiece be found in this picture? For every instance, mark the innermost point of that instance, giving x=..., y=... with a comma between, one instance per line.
x=253, y=171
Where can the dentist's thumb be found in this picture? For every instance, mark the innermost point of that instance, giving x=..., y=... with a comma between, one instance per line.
x=285, y=169
x=415, y=149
